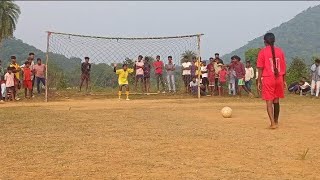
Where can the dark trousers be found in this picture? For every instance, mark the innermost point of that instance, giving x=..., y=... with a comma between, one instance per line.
x=42, y=80
x=159, y=79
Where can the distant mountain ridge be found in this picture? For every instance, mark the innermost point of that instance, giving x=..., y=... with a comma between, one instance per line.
x=21, y=50
x=299, y=36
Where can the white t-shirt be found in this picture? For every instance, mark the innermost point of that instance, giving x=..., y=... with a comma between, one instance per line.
x=249, y=74
x=204, y=68
x=193, y=84
x=139, y=71
x=305, y=85
x=186, y=65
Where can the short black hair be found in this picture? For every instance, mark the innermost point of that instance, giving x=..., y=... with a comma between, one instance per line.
x=216, y=54
x=249, y=62
x=38, y=59
x=124, y=65
x=316, y=60
x=211, y=58
x=158, y=56
x=13, y=57
x=140, y=56
x=236, y=57
x=27, y=62
x=169, y=57
x=31, y=53
x=86, y=58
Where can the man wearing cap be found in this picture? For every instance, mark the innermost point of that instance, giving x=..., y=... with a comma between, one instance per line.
x=85, y=73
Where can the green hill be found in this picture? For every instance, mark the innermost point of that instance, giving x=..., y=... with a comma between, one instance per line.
x=21, y=50
x=299, y=36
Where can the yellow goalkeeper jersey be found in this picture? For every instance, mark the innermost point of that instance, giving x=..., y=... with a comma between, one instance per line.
x=123, y=75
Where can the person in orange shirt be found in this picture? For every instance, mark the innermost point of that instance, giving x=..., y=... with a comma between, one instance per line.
x=27, y=79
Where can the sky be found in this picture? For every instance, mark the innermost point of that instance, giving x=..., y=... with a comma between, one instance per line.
x=226, y=25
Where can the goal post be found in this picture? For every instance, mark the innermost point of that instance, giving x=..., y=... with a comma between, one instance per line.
x=65, y=53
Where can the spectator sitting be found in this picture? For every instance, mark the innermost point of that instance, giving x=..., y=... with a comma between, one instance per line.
x=304, y=87
x=194, y=87
x=294, y=88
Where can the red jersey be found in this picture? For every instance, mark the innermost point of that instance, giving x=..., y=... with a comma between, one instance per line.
x=210, y=69
x=27, y=74
x=265, y=61
x=158, y=66
x=223, y=75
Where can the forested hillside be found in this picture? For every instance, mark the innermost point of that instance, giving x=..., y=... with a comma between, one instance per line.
x=298, y=37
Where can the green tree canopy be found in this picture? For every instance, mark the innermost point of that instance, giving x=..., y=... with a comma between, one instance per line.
x=297, y=70
x=188, y=55
x=252, y=55
x=9, y=14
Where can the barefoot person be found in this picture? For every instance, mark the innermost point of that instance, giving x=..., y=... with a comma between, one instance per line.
x=123, y=78
x=138, y=66
x=39, y=72
x=170, y=68
x=271, y=76
x=146, y=75
x=27, y=79
x=85, y=73
x=240, y=75
x=16, y=69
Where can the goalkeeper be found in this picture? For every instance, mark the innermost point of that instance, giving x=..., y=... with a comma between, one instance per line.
x=123, y=78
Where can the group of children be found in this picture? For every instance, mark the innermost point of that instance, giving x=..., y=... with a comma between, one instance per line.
x=15, y=75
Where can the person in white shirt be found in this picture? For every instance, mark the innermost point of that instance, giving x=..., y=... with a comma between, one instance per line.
x=186, y=73
x=304, y=87
x=204, y=73
x=315, y=78
x=139, y=65
x=249, y=75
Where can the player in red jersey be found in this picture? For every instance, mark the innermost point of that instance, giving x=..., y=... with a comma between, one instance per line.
x=271, y=66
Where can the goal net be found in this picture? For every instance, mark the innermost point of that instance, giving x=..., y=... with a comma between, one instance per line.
x=66, y=52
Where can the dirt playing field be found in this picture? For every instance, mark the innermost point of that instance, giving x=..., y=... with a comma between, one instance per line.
x=151, y=138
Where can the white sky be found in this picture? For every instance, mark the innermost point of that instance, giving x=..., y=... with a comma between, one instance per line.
x=226, y=25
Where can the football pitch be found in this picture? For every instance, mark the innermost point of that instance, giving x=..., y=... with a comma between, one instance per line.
x=158, y=138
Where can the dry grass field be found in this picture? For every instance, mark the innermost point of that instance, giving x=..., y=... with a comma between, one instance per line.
x=158, y=138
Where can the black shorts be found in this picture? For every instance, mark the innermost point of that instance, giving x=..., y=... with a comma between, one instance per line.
x=186, y=79
x=205, y=81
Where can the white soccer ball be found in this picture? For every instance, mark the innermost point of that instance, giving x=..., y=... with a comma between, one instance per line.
x=226, y=112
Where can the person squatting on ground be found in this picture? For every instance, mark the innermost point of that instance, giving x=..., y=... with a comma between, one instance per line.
x=315, y=78
x=271, y=66
x=123, y=78
x=170, y=68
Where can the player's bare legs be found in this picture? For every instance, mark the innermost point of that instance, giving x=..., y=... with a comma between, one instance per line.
x=271, y=114
x=276, y=110
x=127, y=92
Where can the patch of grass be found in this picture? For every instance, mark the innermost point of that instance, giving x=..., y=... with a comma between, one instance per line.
x=304, y=154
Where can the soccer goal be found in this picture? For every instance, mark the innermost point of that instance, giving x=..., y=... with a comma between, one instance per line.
x=66, y=52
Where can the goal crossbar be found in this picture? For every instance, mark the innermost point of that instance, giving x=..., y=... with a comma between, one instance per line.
x=126, y=38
